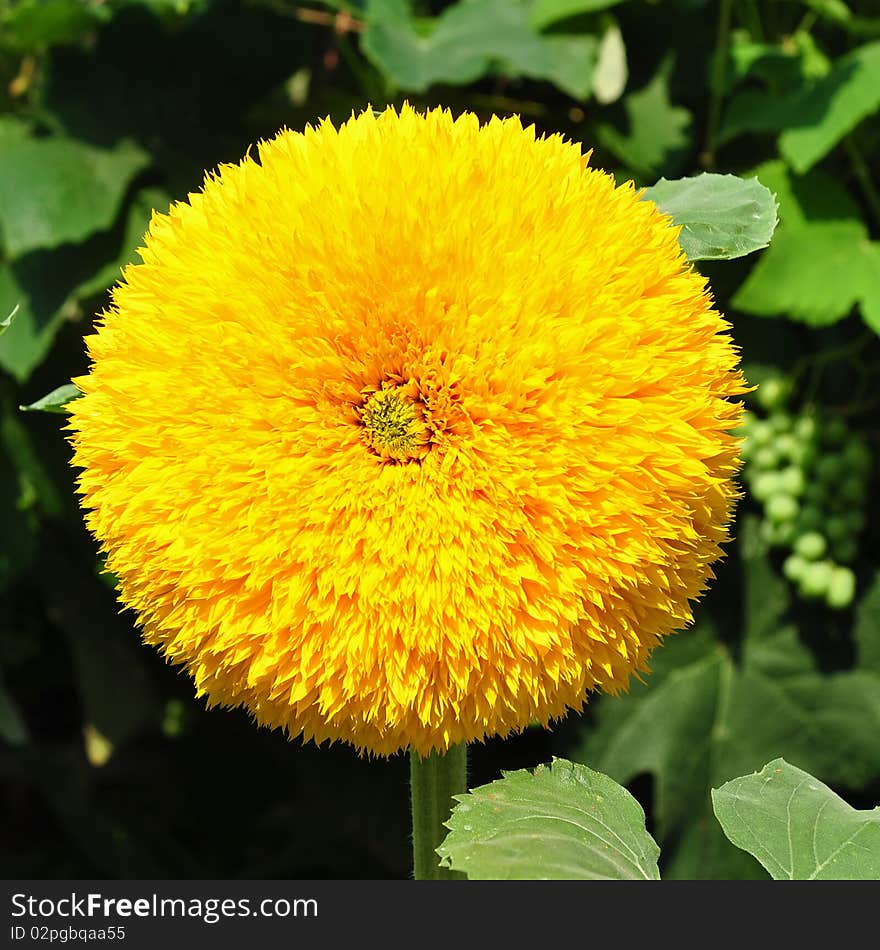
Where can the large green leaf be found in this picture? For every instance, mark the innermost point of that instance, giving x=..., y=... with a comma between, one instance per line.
x=657, y=134
x=832, y=107
x=786, y=65
x=32, y=25
x=137, y=219
x=46, y=286
x=797, y=827
x=56, y=190
x=815, y=275
x=470, y=39
x=751, y=111
x=821, y=263
x=814, y=116
x=784, y=69
x=707, y=715
x=36, y=322
x=721, y=216
x=561, y=822
x=547, y=12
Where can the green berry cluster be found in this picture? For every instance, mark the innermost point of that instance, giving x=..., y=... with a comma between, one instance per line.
x=810, y=473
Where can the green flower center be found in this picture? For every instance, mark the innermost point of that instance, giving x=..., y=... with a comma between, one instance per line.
x=395, y=425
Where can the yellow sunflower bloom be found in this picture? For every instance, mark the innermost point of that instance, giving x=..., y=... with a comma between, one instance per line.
x=410, y=432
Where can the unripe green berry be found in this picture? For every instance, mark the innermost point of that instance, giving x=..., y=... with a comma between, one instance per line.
x=841, y=588
x=788, y=446
x=793, y=567
x=773, y=393
x=760, y=433
x=805, y=428
x=815, y=579
x=764, y=485
x=780, y=422
x=791, y=481
x=776, y=535
x=811, y=546
x=781, y=508
x=766, y=458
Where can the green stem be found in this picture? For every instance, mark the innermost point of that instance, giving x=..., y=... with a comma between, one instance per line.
x=716, y=85
x=364, y=78
x=435, y=780
x=755, y=27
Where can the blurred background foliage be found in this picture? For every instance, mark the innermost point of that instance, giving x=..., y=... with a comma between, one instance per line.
x=112, y=108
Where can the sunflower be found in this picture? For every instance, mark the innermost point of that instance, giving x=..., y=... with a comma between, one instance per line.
x=409, y=432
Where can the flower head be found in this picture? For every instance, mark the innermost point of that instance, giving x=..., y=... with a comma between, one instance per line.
x=409, y=432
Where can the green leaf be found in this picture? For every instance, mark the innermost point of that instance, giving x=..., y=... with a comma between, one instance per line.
x=832, y=107
x=706, y=715
x=137, y=220
x=57, y=190
x=561, y=822
x=812, y=118
x=752, y=111
x=787, y=69
x=835, y=10
x=807, y=199
x=34, y=25
x=36, y=322
x=781, y=65
x=821, y=263
x=658, y=134
x=721, y=216
x=815, y=275
x=55, y=401
x=547, y=12
x=49, y=285
x=12, y=131
x=469, y=40
x=869, y=297
x=570, y=64
x=797, y=827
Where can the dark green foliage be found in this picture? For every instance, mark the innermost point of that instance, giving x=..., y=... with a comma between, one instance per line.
x=110, y=766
